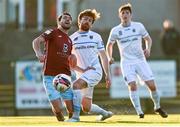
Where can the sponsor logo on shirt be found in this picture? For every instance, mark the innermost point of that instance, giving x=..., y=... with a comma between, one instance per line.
x=120, y=33
x=84, y=47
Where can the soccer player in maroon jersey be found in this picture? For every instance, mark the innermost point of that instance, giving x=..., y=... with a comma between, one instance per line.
x=57, y=49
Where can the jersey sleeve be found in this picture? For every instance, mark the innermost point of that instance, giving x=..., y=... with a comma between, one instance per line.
x=47, y=34
x=143, y=31
x=112, y=37
x=100, y=44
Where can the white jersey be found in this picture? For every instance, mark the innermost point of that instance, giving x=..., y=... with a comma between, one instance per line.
x=86, y=46
x=129, y=40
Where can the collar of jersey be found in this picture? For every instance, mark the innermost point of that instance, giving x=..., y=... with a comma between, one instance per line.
x=125, y=26
x=83, y=32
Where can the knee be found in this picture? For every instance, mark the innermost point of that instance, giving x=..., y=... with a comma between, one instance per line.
x=85, y=108
x=152, y=88
x=132, y=86
x=151, y=85
x=76, y=85
x=79, y=84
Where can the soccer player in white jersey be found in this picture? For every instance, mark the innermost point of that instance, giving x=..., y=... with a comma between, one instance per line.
x=128, y=35
x=87, y=46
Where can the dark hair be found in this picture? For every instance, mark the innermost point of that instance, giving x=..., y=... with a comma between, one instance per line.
x=126, y=7
x=64, y=13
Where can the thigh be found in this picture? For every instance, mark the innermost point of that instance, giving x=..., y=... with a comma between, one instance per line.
x=79, y=84
x=128, y=72
x=91, y=77
x=52, y=93
x=144, y=71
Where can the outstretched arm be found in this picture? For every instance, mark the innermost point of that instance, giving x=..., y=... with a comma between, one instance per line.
x=37, y=49
x=81, y=70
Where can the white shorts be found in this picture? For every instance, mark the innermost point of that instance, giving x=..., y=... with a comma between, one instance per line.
x=142, y=69
x=92, y=77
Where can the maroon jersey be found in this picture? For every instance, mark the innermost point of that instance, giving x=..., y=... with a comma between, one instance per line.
x=58, y=47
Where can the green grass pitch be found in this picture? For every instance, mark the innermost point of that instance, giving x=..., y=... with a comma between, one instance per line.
x=90, y=121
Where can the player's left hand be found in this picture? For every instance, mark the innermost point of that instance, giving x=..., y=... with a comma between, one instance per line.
x=147, y=53
x=108, y=82
x=89, y=68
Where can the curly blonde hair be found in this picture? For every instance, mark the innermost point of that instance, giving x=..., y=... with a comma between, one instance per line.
x=89, y=12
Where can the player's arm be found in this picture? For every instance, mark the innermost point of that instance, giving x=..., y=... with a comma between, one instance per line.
x=81, y=70
x=36, y=44
x=73, y=64
x=105, y=65
x=148, y=44
x=109, y=51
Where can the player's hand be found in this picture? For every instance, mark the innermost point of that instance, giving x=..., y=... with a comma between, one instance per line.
x=111, y=61
x=40, y=57
x=89, y=68
x=108, y=82
x=147, y=53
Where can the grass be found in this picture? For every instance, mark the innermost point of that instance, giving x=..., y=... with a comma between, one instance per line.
x=90, y=121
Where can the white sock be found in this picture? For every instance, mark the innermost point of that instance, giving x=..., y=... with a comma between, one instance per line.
x=95, y=109
x=155, y=98
x=135, y=101
x=77, y=98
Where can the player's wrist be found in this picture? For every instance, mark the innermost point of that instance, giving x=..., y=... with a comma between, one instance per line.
x=38, y=54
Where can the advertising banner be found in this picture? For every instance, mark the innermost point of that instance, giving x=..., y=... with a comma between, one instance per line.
x=30, y=92
x=165, y=78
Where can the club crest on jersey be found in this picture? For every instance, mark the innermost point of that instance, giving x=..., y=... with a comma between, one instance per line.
x=120, y=33
x=65, y=48
x=134, y=30
x=91, y=37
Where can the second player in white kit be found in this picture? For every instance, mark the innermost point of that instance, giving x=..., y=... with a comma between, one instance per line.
x=87, y=46
x=128, y=36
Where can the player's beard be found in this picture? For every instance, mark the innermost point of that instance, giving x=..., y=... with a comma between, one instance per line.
x=85, y=27
x=66, y=27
